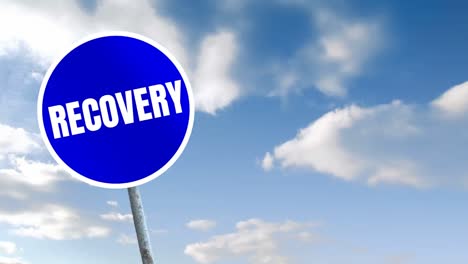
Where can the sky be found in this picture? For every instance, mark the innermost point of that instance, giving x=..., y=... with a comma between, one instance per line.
x=326, y=132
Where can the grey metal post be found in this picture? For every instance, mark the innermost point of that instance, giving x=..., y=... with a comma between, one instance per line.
x=140, y=226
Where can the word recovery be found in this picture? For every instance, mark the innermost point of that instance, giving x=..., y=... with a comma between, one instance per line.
x=105, y=111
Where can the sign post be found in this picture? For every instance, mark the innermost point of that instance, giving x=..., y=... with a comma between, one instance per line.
x=140, y=225
x=116, y=111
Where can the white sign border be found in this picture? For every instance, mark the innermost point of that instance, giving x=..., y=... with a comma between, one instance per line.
x=149, y=177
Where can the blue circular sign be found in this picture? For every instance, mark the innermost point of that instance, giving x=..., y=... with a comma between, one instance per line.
x=116, y=111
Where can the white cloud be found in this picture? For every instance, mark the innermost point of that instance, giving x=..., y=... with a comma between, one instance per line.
x=113, y=203
x=318, y=145
x=454, y=102
x=7, y=247
x=394, y=143
x=201, y=225
x=328, y=62
x=21, y=170
x=267, y=162
x=51, y=221
x=32, y=173
x=401, y=173
x=344, y=47
x=20, y=177
x=117, y=217
x=214, y=88
x=255, y=239
x=6, y=260
x=45, y=29
x=16, y=141
x=124, y=239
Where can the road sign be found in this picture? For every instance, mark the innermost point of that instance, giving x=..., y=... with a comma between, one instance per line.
x=116, y=111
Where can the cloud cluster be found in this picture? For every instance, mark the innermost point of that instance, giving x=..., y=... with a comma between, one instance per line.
x=255, y=239
x=32, y=173
x=51, y=221
x=17, y=141
x=20, y=175
x=45, y=29
x=394, y=143
x=327, y=62
x=24, y=176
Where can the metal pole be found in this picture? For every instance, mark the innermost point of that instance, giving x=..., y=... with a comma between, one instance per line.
x=140, y=226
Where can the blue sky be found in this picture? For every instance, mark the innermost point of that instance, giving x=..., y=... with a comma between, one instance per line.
x=326, y=132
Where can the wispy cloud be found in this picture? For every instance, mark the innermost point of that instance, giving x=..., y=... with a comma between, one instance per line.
x=124, y=239
x=117, y=217
x=8, y=260
x=51, y=221
x=255, y=239
x=113, y=204
x=328, y=62
x=343, y=49
x=201, y=225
